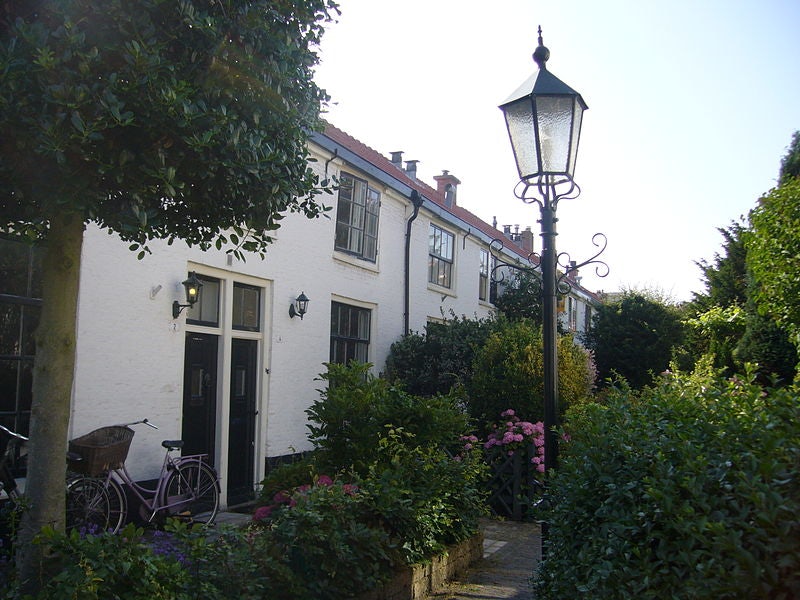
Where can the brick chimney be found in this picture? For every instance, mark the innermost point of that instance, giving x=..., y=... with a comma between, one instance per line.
x=447, y=186
x=526, y=240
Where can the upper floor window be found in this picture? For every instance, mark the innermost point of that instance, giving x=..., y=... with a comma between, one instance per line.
x=357, y=218
x=440, y=256
x=350, y=333
x=483, y=281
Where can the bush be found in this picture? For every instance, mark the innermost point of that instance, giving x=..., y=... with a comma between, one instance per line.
x=346, y=424
x=440, y=359
x=327, y=538
x=114, y=566
x=425, y=498
x=689, y=490
x=509, y=369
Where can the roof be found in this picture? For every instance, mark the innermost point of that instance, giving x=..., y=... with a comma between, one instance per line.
x=473, y=223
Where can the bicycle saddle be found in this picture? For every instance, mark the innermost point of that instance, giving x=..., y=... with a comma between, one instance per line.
x=172, y=444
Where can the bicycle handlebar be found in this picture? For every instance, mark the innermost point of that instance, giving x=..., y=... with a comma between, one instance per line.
x=13, y=434
x=143, y=421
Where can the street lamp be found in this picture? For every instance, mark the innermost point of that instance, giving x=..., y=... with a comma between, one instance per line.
x=543, y=118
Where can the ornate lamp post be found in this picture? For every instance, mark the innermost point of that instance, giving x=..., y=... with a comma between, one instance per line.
x=544, y=123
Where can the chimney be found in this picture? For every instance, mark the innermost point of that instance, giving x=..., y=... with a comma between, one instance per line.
x=526, y=239
x=411, y=168
x=494, y=222
x=397, y=159
x=447, y=186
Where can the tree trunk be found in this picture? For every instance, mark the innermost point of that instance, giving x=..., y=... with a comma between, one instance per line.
x=52, y=393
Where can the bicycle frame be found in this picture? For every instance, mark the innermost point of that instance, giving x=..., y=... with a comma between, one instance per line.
x=157, y=501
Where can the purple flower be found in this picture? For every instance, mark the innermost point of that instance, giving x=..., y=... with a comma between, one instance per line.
x=324, y=480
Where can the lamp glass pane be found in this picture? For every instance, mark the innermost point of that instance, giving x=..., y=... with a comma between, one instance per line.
x=576, y=136
x=521, y=130
x=554, y=114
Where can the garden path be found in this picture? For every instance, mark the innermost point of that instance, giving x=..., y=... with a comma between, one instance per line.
x=511, y=552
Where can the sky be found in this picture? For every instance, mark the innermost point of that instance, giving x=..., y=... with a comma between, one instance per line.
x=692, y=105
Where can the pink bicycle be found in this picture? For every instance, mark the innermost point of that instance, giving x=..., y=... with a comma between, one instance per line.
x=187, y=488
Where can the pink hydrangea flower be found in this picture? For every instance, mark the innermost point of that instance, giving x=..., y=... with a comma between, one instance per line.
x=324, y=480
x=262, y=512
x=507, y=413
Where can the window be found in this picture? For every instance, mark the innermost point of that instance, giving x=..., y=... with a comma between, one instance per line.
x=206, y=310
x=20, y=302
x=440, y=256
x=350, y=331
x=357, y=218
x=483, y=280
x=246, y=307
x=572, y=313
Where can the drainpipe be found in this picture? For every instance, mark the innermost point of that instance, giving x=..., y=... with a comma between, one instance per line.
x=416, y=200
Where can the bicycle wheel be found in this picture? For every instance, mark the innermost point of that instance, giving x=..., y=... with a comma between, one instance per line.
x=95, y=505
x=191, y=493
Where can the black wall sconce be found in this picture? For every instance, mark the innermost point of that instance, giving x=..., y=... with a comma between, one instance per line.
x=299, y=307
x=192, y=287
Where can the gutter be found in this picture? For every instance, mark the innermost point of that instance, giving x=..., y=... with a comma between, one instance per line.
x=416, y=200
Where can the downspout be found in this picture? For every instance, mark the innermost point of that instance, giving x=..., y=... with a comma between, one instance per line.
x=416, y=200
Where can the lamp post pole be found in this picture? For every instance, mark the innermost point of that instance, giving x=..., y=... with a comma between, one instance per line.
x=549, y=331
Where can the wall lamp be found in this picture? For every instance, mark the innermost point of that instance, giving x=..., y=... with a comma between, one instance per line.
x=299, y=307
x=192, y=287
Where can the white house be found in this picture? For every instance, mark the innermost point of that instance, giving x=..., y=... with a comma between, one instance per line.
x=233, y=374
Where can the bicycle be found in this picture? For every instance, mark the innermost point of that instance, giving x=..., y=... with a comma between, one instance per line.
x=187, y=488
x=8, y=484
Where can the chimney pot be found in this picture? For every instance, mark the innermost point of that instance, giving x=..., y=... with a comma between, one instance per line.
x=411, y=168
x=397, y=158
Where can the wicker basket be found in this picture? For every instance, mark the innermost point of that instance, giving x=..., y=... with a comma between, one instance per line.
x=102, y=449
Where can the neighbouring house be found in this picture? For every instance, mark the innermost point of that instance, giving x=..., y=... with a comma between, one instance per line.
x=233, y=374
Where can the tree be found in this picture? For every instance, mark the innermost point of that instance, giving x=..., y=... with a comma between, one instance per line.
x=773, y=256
x=522, y=298
x=773, y=247
x=634, y=337
x=790, y=165
x=156, y=120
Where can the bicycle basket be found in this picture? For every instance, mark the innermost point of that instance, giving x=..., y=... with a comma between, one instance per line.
x=102, y=449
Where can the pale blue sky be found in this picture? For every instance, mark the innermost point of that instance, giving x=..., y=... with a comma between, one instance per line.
x=691, y=107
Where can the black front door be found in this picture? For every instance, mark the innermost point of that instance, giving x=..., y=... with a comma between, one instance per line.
x=199, y=395
x=242, y=426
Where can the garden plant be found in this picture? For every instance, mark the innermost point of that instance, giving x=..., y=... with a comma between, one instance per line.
x=687, y=489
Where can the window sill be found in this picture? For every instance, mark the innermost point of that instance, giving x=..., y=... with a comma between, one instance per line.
x=354, y=261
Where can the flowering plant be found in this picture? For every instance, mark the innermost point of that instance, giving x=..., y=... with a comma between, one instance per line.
x=286, y=499
x=513, y=434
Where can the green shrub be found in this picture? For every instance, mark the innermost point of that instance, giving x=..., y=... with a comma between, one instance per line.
x=508, y=371
x=287, y=476
x=120, y=566
x=327, y=538
x=348, y=421
x=689, y=490
x=435, y=362
x=424, y=497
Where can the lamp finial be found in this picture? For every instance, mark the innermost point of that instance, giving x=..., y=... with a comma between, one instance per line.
x=541, y=54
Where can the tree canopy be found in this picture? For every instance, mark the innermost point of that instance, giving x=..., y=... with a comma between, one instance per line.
x=154, y=119
x=634, y=337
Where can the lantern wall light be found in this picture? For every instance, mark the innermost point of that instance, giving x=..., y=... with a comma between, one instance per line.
x=191, y=286
x=299, y=307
